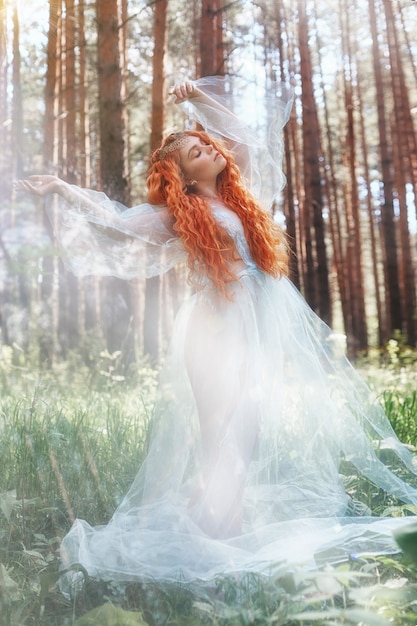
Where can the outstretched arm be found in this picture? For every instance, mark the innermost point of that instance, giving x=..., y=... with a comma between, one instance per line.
x=98, y=236
x=46, y=184
x=100, y=209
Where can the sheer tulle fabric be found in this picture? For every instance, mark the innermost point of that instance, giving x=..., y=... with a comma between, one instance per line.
x=257, y=411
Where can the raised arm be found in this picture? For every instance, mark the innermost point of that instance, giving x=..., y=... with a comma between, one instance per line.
x=220, y=117
x=250, y=124
x=188, y=90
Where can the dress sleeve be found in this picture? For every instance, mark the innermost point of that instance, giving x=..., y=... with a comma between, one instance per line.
x=250, y=119
x=101, y=237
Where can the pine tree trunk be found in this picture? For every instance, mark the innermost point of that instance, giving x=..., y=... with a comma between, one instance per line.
x=211, y=38
x=49, y=288
x=393, y=299
x=220, y=46
x=114, y=178
x=5, y=172
x=69, y=288
x=152, y=321
x=112, y=107
x=403, y=174
x=84, y=163
x=17, y=113
x=208, y=38
x=71, y=147
x=316, y=282
x=371, y=221
x=358, y=339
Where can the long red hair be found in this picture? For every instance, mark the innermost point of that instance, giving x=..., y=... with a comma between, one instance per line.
x=211, y=251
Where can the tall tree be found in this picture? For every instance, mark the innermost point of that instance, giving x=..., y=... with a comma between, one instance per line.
x=392, y=290
x=332, y=186
x=211, y=38
x=4, y=127
x=70, y=93
x=50, y=269
x=89, y=316
x=292, y=165
x=358, y=335
x=372, y=227
x=287, y=40
x=83, y=162
x=151, y=325
x=402, y=129
x=316, y=280
x=17, y=112
x=158, y=73
x=71, y=318
x=53, y=52
x=112, y=106
x=114, y=166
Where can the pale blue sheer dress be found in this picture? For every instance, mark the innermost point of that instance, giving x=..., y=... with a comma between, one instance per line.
x=258, y=376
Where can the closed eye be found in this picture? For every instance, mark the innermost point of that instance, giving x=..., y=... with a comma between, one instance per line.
x=195, y=151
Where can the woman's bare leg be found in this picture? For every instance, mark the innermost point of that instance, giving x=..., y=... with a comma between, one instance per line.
x=228, y=418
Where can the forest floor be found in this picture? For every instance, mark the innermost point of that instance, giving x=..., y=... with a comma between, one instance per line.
x=73, y=421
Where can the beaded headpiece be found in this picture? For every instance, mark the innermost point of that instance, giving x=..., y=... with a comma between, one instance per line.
x=177, y=142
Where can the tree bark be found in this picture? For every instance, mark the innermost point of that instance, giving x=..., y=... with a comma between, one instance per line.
x=17, y=113
x=4, y=131
x=112, y=107
x=316, y=282
x=402, y=128
x=393, y=298
x=152, y=321
x=70, y=94
x=84, y=162
x=358, y=338
x=211, y=38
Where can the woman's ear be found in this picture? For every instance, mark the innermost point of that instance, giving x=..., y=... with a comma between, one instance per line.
x=189, y=185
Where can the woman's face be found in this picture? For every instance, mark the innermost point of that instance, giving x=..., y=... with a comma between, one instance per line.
x=200, y=161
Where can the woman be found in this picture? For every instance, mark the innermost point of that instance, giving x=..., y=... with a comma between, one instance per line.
x=255, y=413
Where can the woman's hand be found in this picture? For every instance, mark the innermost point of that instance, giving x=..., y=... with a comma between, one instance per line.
x=41, y=185
x=183, y=91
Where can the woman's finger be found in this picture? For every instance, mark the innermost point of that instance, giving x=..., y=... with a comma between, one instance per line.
x=182, y=91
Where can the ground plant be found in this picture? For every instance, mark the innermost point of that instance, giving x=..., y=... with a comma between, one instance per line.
x=72, y=438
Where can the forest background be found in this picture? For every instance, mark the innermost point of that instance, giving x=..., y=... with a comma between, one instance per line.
x=84, y=95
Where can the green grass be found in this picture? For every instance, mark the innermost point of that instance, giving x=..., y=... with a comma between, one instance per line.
x=71, y=442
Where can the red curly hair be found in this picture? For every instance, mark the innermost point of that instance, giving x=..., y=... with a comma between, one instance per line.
x=211, y=251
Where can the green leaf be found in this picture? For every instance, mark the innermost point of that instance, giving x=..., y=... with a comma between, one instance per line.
x=7, y=584
x=49, y=578
x=317, y=615
x=109, y=615
x=7, y=503
x=359, y=616
x=348, y=616
x=47, y=581
x=406, y=537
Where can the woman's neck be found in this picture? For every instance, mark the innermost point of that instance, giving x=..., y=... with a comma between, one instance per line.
x=208, y=192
